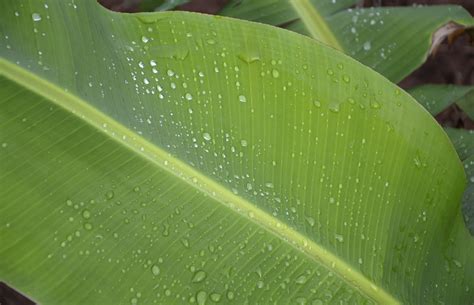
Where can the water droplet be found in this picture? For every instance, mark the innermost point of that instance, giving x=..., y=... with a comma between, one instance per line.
x=457, y=263
x=346, y=79
x=199, y=276
x=206, y=136
x=330, y=72
x=243, y=143
x=317, y=103
x=249, y=56
x=88, y=226
x=145, y=39
x=230, y=295
x=367, y=45
x=375, y=105
x=155, y=270
x=339, y=238
x=302, y=279
x=275, y=73
x=417, y=160
x=36, y=17
x=188, y=96
x=310, y=221
x=86, y=214
x=334, y=107
x=242, y=99
x=185, y=243
x=215, y=297
x=301, y=301
x=201, y=297
x=109, y=195
x=166, y=230
x=260, y=284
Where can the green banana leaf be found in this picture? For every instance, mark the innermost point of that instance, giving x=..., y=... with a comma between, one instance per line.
x=436, y=98
x=392, y=40
x=175, y=158
x=170, y=4
x=468, y=198
x=150, y=5
x=463, y=141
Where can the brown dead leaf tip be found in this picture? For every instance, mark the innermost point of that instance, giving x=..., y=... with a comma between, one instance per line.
x=451, y=31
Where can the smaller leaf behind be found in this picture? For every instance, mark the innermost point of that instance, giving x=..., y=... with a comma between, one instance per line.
x=160, y=5
x=463, y=141
x=392, y=40
x=436, y=98
x=170, y=4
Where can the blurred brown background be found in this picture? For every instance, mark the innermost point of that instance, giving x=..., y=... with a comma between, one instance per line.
x=452, y=64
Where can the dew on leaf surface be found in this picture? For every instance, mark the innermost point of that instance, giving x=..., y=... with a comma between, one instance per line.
x=206, y=136
x=155, y=270
x=199, y=276
x=201, y=297
x=86, y=214
x=36, y=17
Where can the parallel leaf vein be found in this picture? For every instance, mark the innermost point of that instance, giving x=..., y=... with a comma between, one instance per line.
x=189, y=175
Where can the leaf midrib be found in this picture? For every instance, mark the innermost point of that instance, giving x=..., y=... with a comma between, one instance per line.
x=189, y=175
x=315, y=23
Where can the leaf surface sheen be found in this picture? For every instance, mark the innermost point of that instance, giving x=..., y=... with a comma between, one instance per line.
x=243, y=164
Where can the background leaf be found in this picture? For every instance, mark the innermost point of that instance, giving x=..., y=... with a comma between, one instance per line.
x=392, y=40
x=150, y=5
x=436, y=98
x=170, y=4
x=463, y=141
x=177, y=157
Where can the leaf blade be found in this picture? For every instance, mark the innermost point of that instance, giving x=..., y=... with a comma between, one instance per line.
x=101, y=166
